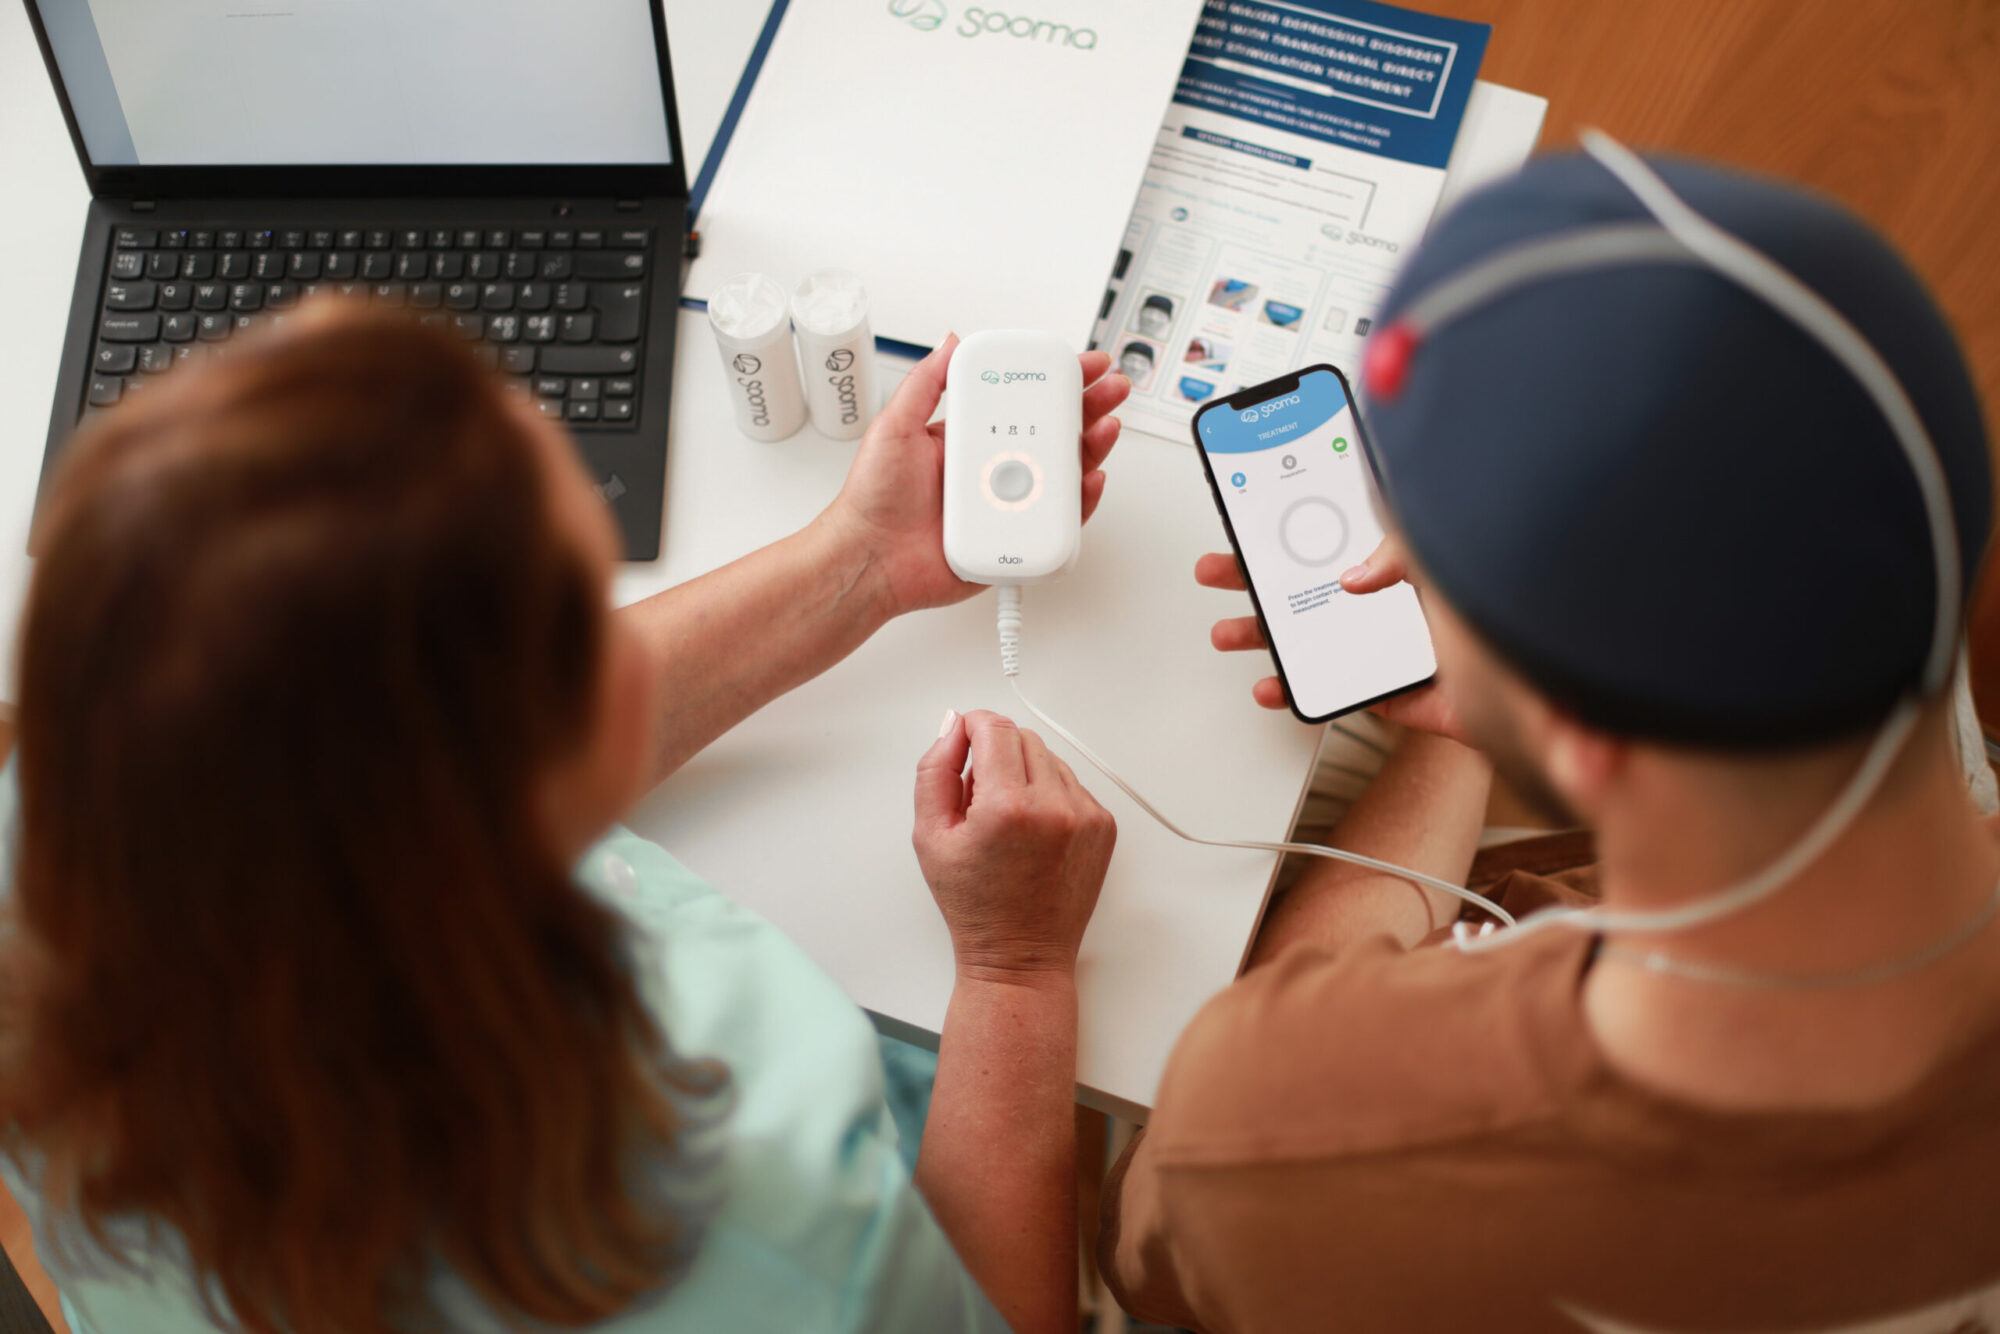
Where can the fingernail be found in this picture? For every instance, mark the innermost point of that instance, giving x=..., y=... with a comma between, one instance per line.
x=950, y=721
x=1358, y=572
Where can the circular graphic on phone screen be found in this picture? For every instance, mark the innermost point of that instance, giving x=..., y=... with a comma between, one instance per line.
x=1313, y=531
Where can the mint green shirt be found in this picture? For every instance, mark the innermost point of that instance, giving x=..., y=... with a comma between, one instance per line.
x=818, y=1226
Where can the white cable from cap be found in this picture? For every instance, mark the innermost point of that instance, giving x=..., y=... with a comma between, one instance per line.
x=1008, y=619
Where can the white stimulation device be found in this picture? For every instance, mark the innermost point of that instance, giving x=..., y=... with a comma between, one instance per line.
x=1013, y=479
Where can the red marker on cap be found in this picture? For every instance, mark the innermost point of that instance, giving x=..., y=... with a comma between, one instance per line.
x=1385, y=362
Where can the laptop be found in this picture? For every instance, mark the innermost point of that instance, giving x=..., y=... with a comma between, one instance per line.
x=509, y=170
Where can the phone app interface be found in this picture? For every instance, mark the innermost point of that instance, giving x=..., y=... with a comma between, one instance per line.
x=1295, y=487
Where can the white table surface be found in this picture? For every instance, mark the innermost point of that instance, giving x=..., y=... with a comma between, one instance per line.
x=804, y=811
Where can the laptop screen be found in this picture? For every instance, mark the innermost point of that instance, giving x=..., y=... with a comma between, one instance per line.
x=208, y=83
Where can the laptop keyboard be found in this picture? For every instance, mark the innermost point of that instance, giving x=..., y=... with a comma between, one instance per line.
x=561, y=311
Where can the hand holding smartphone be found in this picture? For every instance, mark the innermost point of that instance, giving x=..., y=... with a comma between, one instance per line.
x=1286, y=462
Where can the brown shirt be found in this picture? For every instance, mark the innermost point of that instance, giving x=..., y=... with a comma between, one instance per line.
x=1377, y=1139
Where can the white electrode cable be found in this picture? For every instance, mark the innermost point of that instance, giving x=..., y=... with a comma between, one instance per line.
x=1008, y=619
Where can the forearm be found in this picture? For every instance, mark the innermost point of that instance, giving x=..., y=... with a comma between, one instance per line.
x=726, y=644
x=1424, y=810
x=998, y=1164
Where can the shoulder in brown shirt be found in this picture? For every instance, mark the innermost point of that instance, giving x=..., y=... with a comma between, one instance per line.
x=1400, y=1140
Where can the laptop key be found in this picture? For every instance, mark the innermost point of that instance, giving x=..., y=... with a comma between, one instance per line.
x=532, y=296
x=270, y=266
x=136, y=238
x=342, y=264
x=520, y=264
x=304, y=264
x=201, y=240
x=539, y=329
x=618, y=308
x=104, y=390
x=496, y=296
x=579, y=328
x=131, y=296
x=292, y=239
x=590, y=239
x=448, y=264
x=322, y=240
x=572, y=296
x=388, y=294
x=484, y=265
x=129, y=328
x=532, y=240
x=198, y=266
x=556, y=267
x=229, y=239
x=246, y=296
x=128, y=264
x=413, y=265
x=468, y=238
x=611, y=264
x=632, y=238
x=462, y=296
x=211, y=296
x=278, y=296
x=115, y=359
x=518, y=360
x=590, y=360
x=468, y=327
x=176, y=296
x=155, y=358
x=214, y=326
x=618, y=409
x=551, y=386
x=582, y=412
x=350, y=239
x=621, y=386
x=375, y=265
x=503, y=328
x=178, y=327
x=233, y=266
x=427, y=296
x=162, y=264
x=174, y=238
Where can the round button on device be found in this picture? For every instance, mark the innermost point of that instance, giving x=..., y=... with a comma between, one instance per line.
x=1012, y=481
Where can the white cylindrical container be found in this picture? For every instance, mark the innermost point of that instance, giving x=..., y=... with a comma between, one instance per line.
x=754, y=335
x=837, y=352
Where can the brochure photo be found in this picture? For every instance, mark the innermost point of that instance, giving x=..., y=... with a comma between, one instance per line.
x=1299, y=163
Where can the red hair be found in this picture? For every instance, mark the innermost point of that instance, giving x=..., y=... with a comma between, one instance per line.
x=295, y=971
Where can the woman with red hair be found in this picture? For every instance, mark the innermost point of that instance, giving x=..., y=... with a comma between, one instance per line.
x=335, y=1000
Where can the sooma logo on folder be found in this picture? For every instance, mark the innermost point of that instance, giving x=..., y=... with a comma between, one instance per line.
x=979, y=21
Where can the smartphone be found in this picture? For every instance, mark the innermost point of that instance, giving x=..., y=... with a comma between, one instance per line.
x=1288, y=466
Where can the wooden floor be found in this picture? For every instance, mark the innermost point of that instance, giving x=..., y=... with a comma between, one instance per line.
x=1891, y=106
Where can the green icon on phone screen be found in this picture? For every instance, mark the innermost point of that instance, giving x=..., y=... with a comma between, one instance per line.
x=1340, y=444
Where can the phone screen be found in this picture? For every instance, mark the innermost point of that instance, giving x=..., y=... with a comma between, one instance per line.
x=1285, y=460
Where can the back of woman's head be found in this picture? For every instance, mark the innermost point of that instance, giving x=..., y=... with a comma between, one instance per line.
x=297, y=971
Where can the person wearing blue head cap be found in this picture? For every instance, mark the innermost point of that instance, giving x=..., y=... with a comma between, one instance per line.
x=1692, y=479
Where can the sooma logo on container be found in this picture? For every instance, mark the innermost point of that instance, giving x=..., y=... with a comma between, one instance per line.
x=979, y=21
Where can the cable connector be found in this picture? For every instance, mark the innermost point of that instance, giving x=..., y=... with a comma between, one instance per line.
x=1008, y=618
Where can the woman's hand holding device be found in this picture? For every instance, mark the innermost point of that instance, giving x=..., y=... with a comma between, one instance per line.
x=891, y=506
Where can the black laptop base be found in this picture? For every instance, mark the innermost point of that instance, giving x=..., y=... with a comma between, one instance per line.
x=575, y=302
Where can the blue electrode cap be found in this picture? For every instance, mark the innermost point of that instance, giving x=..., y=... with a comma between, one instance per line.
x=1667, y=506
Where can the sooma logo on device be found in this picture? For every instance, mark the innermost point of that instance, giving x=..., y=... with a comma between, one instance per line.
x=978, y=21
x=997, y=377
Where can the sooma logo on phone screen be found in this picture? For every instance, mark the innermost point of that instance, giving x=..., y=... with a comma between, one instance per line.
x=1298, y=502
